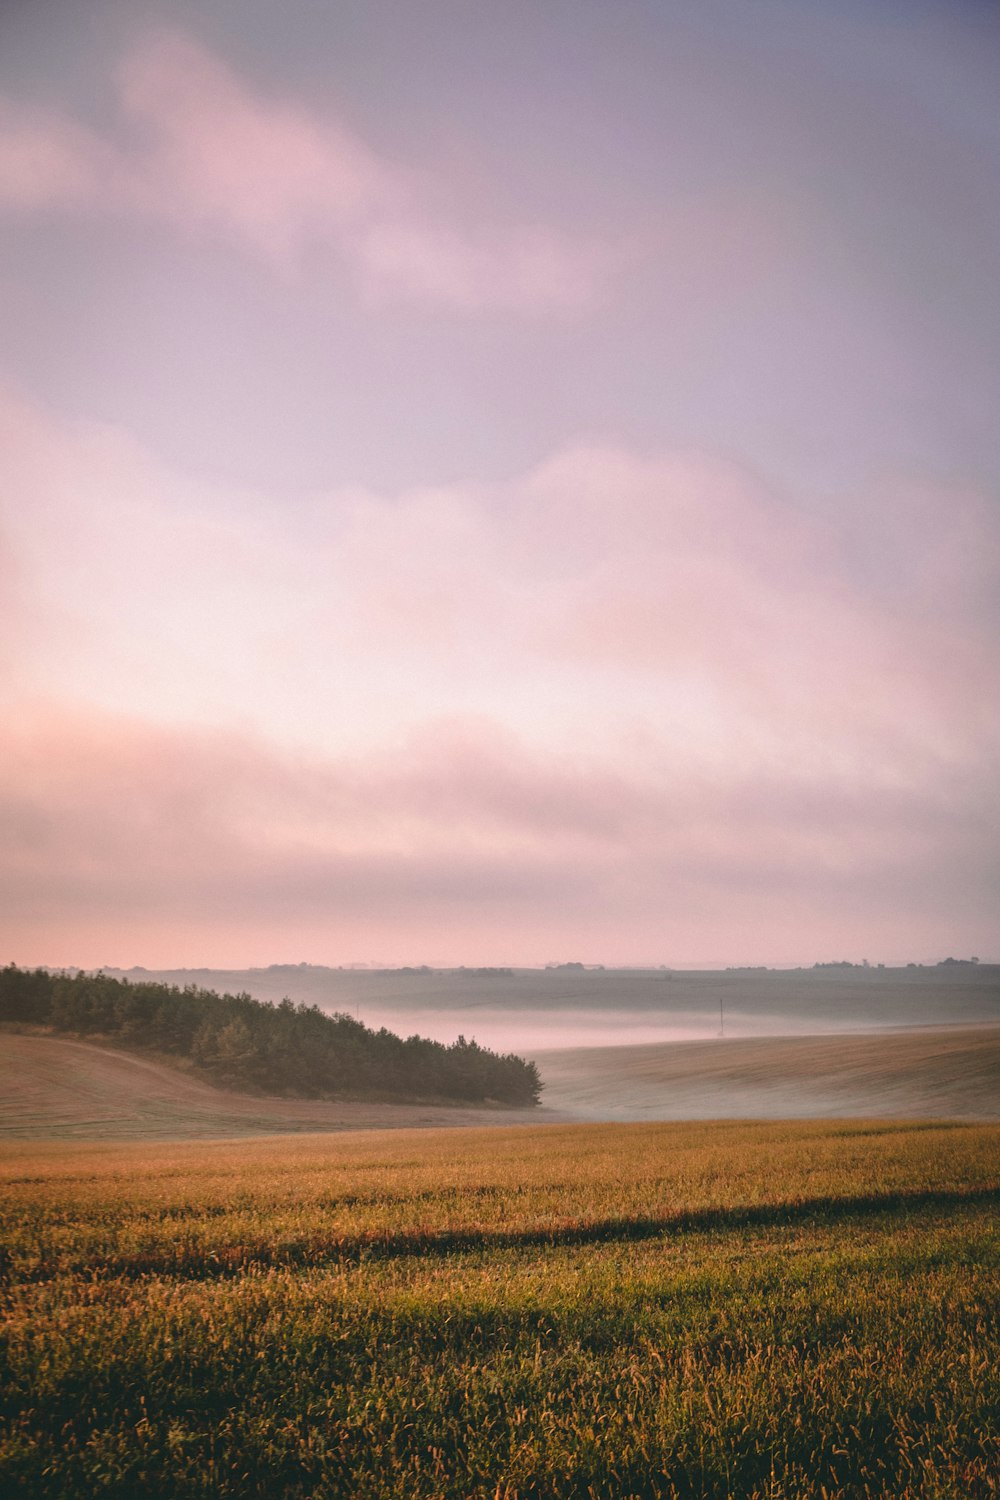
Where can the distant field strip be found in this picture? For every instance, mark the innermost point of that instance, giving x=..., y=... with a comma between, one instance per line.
x=945, y=1072
x=618, y=1311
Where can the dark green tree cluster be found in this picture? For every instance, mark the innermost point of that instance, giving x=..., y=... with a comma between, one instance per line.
x=240, y=1042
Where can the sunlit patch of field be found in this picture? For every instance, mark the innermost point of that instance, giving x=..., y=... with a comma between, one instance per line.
x=614, y=1310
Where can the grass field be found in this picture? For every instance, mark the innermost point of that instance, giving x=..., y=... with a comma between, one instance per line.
x=706, y=1309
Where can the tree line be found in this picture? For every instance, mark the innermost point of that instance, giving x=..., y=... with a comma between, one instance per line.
x=240, y=1042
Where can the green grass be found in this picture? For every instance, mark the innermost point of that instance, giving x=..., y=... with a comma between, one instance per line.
x=675, y=1310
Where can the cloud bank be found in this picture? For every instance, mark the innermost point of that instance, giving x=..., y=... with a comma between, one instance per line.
x=201, y=151
x=623, y=707
x=596, y=691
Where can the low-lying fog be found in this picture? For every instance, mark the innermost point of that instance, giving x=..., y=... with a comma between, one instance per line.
x=532, y=1010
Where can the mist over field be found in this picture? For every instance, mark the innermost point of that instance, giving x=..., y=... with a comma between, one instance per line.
x=527, y=1010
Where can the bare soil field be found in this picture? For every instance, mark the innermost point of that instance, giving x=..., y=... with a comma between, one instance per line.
x=943, y=1072
x=54, y=1087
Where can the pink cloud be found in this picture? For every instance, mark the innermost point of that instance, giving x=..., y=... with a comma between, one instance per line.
x=50, y=162
x=619, y=696
x=261, y=169
x=665, y=604
x=203, y=151
x=529, y=269
x=129, y=841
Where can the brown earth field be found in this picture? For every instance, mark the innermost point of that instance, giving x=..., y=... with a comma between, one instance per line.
x=54, y=1087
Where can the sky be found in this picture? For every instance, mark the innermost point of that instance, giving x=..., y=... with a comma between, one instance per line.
x=499, y=483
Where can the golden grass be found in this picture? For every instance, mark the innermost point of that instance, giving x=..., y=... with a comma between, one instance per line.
x=646, y=1310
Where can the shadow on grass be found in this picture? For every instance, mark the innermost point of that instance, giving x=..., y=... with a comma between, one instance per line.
x=192, y=1262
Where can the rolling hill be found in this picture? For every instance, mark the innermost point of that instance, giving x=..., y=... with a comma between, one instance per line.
x=56, y=1087
x=52, y=1087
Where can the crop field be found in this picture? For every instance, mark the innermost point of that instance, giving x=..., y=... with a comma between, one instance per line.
x=696, y=1309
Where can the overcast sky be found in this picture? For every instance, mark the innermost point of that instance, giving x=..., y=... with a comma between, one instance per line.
x=496, y=483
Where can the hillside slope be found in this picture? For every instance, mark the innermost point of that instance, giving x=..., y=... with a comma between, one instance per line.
x=54, y=1087
x=946, y=1072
